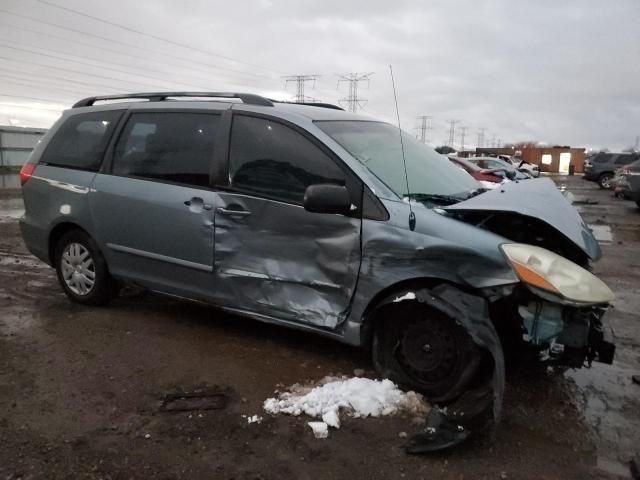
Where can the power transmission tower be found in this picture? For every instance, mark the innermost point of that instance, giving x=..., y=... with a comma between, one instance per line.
x=463, y=131
x=300, y=81
x=423, y=127
x=499, y=142
x=637, y=143
x=452, y=131
x=493, y=141
x=352, y=101
x=481, y=137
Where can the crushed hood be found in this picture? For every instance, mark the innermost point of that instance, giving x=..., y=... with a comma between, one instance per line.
x=539, y=199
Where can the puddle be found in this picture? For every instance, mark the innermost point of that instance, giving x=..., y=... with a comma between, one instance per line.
x=9, y=180
x=11, y=208
x=602, y=233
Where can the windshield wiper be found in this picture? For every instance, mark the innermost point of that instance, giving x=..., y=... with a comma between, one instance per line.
x=434, y=198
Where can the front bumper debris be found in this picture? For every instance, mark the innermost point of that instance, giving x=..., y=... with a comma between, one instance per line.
x=566, y=335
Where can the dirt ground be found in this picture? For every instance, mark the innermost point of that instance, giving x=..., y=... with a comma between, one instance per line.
x=81, y=388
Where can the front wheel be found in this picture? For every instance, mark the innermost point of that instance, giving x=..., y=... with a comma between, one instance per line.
x=82, y=270
x=425, y=350
x=604, y=181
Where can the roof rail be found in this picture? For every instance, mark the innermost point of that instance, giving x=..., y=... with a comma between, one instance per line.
x=313, y=104
x=248, y=98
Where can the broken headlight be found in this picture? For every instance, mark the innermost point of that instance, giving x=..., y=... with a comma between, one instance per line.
x=549, y=272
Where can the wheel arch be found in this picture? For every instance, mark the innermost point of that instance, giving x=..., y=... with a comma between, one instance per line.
x=385, y=297
x=56, y=234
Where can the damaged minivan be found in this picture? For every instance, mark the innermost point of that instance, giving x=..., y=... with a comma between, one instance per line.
x=308, y=216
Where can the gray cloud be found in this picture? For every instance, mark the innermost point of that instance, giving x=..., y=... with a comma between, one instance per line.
x=560, y=72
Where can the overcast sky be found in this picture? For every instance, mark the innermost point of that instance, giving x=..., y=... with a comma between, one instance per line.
x=562, y=72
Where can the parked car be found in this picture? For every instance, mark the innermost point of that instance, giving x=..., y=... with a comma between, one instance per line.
x=601, y=166
x=496, y=176
x=622, y=181
x=521, y=165
x=304, y=216
x=489, y=163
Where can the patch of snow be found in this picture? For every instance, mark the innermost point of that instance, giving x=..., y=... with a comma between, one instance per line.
x=406, y=296
x=357, y=397
x=320, y=429
x=331, y=418
x=254, y=419
x=489, y=185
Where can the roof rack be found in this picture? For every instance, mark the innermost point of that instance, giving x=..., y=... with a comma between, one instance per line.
x=248, y=98
x=313, y=104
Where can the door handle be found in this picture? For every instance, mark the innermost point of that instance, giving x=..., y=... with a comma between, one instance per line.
x=233, y=213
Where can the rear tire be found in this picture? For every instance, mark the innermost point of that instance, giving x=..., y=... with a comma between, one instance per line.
x=82, y=270
x=422, y=349
x=604, y=180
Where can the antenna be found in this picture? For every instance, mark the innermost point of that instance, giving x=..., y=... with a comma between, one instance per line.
x=412, y=216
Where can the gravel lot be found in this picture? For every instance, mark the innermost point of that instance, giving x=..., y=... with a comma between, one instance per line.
x=81, y=388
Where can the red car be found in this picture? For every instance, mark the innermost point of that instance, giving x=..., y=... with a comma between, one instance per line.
x=495, y=175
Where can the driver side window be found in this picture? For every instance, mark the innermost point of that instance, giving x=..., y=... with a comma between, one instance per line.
x=269, y=159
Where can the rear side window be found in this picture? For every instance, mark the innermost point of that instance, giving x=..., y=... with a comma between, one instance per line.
x=274, y=161
x=167, y=146
x=624, y=159
x=81, y=141
x=603, y=158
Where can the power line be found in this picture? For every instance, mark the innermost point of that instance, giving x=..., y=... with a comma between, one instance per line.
x=300, y=81
x=352, y=101
x=423, y=126
x=76, y=71
x=144, y=58
x=129, y=29
x=66, y=80
x=130, y=45
x=452, y=131
x=96, y=65
x=37, y=99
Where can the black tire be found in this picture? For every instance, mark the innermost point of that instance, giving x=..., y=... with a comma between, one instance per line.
x=75, y=273
x=604, y=180
x=444, y=370
x=638, y=203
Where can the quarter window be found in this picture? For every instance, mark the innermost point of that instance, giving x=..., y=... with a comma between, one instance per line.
x=167, y=146
x=81, y=140
x=274, y=161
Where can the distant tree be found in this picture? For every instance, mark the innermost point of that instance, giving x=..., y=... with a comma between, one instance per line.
x=445, y=149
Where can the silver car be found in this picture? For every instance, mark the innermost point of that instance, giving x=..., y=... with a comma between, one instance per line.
x=303, y=215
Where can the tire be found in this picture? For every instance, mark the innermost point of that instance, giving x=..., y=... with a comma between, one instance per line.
x=424, y=350
x=82, y=270
x=604, y=180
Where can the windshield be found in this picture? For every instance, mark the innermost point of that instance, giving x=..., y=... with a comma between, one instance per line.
x=377, y=146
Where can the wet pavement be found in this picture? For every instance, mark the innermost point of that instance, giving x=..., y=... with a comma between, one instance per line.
x=81, y=388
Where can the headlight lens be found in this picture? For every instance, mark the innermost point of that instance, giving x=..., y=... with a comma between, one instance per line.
x=548, y=271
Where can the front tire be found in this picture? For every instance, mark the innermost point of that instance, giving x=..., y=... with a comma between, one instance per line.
x=422, y=349
x=604, y=181
x=82, y=270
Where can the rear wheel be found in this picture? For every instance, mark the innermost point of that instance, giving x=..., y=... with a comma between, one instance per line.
x=604, y=180
x=82, y=270
x=425, y=350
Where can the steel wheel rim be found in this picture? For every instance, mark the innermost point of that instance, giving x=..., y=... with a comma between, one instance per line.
x=606, y=182
x=78, y=269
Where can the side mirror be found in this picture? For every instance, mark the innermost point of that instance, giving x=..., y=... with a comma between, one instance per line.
x=327, y=198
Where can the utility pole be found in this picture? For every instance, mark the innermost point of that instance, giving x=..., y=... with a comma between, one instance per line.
x=300, y=81
x=463, y=131
x=481, y=136
x=352, y=101
x=452, y=131
x=423, y=127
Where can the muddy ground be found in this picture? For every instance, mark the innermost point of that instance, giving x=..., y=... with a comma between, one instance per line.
x=81, y=388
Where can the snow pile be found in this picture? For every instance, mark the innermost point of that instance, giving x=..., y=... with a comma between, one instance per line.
x=489, y=185
x=358, y=397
